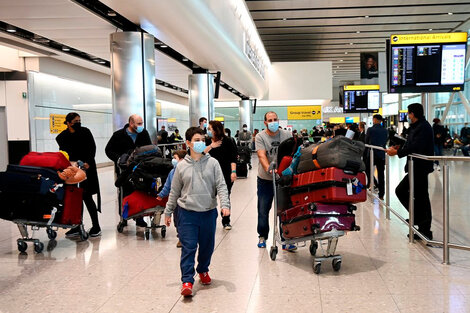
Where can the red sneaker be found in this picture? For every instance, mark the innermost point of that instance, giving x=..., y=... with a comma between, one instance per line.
x=205, y=278
x=187, y=290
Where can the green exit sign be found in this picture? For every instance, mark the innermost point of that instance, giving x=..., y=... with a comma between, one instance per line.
x=24, y=94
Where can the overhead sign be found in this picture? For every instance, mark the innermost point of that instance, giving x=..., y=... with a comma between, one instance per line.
x=220, y=118
x=362, y=87
x=337, y=120
x=304, y=112
x=56, y=123
x=428, y=38
x=332, y=109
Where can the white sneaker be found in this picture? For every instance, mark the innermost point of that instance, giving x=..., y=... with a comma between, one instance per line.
x=227, y=227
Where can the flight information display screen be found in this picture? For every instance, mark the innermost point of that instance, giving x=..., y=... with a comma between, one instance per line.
x=361, y=98
x=427, y=62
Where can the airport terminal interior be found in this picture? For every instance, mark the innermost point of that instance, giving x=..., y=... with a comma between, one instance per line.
x=324, y=67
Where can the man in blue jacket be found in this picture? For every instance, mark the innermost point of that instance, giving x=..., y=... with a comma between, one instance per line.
x=377, y=135
x=420, y=140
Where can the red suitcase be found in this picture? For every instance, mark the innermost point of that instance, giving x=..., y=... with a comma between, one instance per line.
x=139, y=201
x=316, y=208
x=328, y=185
x=54, y=160
x=310, y=224
x=73, y=206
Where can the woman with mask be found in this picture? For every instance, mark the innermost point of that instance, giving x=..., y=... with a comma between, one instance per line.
x=79, y=143
x=221, y=148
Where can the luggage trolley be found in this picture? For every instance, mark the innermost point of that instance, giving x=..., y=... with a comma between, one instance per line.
x=328, y=239
x=155, y=211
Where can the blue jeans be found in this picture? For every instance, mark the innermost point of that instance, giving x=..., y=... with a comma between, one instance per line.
x=196, y=228
x=265, y=201
x=465, y=150
x=437, y=152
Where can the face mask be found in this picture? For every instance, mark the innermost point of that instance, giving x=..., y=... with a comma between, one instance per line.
x=244, y=129
x=226, y=134
x=77, y=126
x=199, y=146
x=174, y=162
x=205, y=125
x=209, y=133
x=139, y=129
x=273, y=126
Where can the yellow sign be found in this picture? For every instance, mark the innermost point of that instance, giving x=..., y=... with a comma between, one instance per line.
x=428, y=38
x=337, y=120
x=219, y=118
x=362, y=87
x=171, y=120
x=56, y=123
x=380, y=111
x=158, y=106
x=403, y=111
x=304, y=112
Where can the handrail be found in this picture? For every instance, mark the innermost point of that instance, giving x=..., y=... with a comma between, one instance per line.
x=445, y=201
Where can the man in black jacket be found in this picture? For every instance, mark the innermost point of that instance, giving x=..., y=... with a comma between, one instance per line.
x=124, y=141
x=377, y=135
x=439, y=138
x=420, y=140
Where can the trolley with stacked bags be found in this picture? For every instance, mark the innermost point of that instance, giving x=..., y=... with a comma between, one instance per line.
x=43, y=196
x=314, y=194
x=142, y=175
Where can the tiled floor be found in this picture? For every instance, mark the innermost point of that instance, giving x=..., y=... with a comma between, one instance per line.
x=381, y=271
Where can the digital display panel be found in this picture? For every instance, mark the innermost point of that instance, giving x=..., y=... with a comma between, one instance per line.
x=361, y=98
x=427, y=62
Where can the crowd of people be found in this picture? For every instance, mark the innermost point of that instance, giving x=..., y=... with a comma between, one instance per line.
x=207, y=170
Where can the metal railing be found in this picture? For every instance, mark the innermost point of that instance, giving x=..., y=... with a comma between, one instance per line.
x=445, y=199
x=164, y=147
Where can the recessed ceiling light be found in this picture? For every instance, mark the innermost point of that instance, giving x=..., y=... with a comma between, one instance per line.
x=284, y=19
x=163, y=46
x=337, y=66
x=358, y=32
x=111, y=13
x=367, y=16
x=450, y=13
x=341, y=60
x=11, y=29
x=430, y=29
x=101, y=61
x=346, y=52
x=351, y=43
x=65, y=48
x=335, y=72
x=185, y=60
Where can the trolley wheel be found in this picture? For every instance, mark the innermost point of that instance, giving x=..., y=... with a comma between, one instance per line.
x=38, y=247
x=52, y=234
x=120, y=227
x=336, y=264
x=313, y=247
x=83, y=235
x=317, y=268
x=147, y=234
x=273, y=253
x=22, y=246
x=163, y=232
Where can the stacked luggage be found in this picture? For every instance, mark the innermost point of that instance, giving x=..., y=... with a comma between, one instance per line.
x=315, y=198
x=244, y=159
x=33, y=194
x=142, y=176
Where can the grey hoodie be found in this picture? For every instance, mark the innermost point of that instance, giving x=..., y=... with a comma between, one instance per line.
x=195, y=185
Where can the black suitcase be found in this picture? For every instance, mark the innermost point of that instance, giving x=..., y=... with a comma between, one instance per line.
x=242, y=169
x=244, y=154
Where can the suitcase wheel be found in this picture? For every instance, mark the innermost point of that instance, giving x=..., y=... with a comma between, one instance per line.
x=163, y=232
x=317, y=268
x=313, y=247
x=120, y=227
x=147, y=234
x=51, y=234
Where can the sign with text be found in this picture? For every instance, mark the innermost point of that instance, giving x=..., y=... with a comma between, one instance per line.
x=304, y=112
x=56, y=123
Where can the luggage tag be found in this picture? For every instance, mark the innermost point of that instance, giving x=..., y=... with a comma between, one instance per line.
x=349, y=188
x=357, y=185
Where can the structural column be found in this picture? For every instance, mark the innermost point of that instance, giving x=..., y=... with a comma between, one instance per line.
x=245, y=111
x=201, y=97
x=133, y=79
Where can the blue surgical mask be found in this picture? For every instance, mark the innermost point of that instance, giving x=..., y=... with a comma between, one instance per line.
x=199, y=146
x=273, y=126
x=139, y=129
x=209, y=133
x=174, y=162
x=205, y=125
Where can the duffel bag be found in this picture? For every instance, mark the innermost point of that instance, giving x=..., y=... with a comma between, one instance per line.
x=137, y=202
x=340, y=152
x=53, y=160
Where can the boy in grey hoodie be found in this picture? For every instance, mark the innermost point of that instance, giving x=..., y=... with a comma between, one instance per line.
x=196, y=182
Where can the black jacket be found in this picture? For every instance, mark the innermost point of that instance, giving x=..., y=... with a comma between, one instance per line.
x=377, y=135
x=80, y=145
x=439, y=134
x=121, y=143
x=362, y=137
x=226, y=154
x=420, y=140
